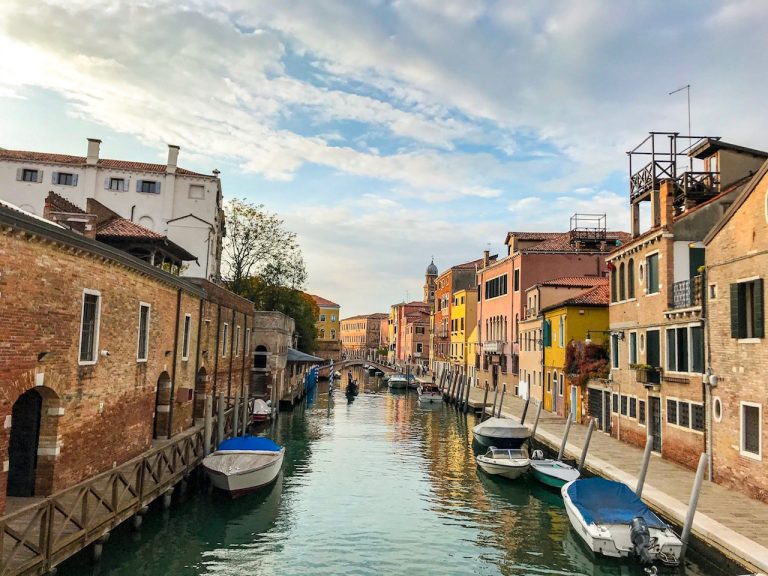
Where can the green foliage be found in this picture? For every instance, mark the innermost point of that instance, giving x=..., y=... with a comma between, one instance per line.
x=586, y=361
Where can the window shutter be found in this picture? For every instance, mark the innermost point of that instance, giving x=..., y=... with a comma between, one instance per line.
x=54, y=177
x=138, y=185
x=106, y=183
x=74, y=180
x=735, y=313
x=19, y=174
x=547, y=333
x=39, y=175
x=759, y=321
x=126, y=185
x=157, y=187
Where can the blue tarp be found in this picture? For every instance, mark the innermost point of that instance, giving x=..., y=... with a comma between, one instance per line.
x=603, y=501
x=249, y=443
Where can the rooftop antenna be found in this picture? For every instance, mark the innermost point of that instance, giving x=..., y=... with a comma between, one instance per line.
x=687, y=88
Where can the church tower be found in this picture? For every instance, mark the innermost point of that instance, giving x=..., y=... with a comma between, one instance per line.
x=429, y=284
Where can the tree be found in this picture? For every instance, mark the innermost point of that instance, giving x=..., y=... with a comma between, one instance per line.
x=256, y=244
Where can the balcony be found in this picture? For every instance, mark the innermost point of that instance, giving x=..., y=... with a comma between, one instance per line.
x=648, y=376
x=687, y=293
x=493, y=346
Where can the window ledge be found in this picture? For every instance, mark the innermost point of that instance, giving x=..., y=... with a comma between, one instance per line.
x=751, y=455
x=86, y=362
x=749, y=340
x=141, y=360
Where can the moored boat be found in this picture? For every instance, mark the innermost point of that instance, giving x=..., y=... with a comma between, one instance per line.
x=262, y=411
x=613, y=521
x=551, y=472
x=507, y=462
x=398, y=382
x=244, y=463
x=500, y=432
x=429, y=393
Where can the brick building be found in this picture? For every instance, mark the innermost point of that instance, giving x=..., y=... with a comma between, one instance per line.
x=104, y=354
x=361, y=335
x=737, y=264
x=657, y=319
x=274, y=334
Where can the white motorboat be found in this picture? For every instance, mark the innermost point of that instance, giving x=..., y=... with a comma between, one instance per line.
x=508, y=462
x=554, y=473
x=244, y=463
x=429, y=393
x=500, y=432
x=613, y=521
x=262, y=411
x=398, y=382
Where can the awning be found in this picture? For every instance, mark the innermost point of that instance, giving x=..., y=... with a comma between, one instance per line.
x=298, y=356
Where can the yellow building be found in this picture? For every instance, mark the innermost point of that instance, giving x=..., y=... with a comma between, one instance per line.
x=463, y=320
x=328, y=327
x=573, y=321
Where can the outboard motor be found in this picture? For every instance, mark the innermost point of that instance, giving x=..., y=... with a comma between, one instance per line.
x=641, y=539
x=537, y=455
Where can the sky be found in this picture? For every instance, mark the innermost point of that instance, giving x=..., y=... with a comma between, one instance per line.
x=387, y=132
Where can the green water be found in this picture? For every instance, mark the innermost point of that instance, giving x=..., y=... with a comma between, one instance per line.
x=378, y=486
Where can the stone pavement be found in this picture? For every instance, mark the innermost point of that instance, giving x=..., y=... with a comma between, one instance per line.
x=725, y=519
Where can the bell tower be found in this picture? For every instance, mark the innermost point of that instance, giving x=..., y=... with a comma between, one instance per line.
x=429, y=283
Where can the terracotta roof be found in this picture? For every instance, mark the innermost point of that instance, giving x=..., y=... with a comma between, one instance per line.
x=323, y=303
x=61, y=204
x=122, y=228
x=576, y=281
x=597, y=296
x=561, y=241
x=471, y=265
x=24, y=156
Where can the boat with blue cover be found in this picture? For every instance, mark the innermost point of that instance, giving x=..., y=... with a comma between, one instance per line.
x=613, y=521
x=244, y=463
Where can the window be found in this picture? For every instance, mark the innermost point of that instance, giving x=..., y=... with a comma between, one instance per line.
x=462, y=325
x=672, y=411
x=631, y=278
x=624, y=403
x=549, y=381
x=562, y=332
x=118, y=184
x=517, y=279
x=64, y=179
x=225, y=340
x=322, y=317
x=333, y=334
x=187, y=333
x=747, y=309
x=562, y=388
x=30, y=175
x=547, y=333
x=89, y=326
x=333, y=317
x=615, y=404
x=697, y=417
x=143, y=347
x=614, y=285
x=641, y=412
x=196, y=192
x=622, y=283
x=633, y=407
x=614, y=350
x=419, y=347
x=496, y=287
x=633, y=347
x=652, y=273
x=751, y=429
x=148, y=186
x=237, y=340
x=684, y=414
x=685, y=349
x=712, y=291
x=419, y=329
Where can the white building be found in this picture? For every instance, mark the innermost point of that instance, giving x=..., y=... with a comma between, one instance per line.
x=183, y=205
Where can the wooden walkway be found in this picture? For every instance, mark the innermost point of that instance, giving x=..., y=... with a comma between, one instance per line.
x=725, y=519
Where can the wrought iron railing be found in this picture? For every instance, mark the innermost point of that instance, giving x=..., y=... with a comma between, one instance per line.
x=687, y=293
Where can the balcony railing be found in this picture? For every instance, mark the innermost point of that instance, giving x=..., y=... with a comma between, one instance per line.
x=687, y=293
x=648, y=376
x=493, y=346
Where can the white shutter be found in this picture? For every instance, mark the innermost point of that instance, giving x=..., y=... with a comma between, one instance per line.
x=74, y=180
x=39, y=175
x=54, y=178
x=157, y=187
x=106, y=183
x=19, y=174
x=138, y=185
x=126, y=184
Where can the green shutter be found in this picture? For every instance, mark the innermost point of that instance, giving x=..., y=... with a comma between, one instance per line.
x=547, y=333
x=759, y=322
x=735, y=313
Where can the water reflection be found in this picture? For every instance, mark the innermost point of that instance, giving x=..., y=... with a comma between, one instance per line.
x=382, y=485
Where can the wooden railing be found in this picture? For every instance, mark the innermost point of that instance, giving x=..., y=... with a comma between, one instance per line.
x=36, y=538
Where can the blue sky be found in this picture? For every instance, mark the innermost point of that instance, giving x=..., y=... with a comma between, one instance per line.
x=386, y=131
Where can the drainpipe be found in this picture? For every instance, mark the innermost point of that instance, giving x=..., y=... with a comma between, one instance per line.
x=197, y=353
x=216, y=352
x=231, y=353
x=707, y=390
x=173, y=366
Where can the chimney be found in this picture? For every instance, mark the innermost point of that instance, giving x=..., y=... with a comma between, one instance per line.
x=93, y=151
x=666, y=204
x=486, y=258
x=173, y=158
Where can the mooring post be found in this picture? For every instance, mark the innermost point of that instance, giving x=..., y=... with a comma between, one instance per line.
x=460, y=395
x=536, y=421
x=245, y=412
x=138, y=518
x=98, y=546
x=167, y=496
x=586, y=444
x=220, y=419
x=644, y=467
x=485, y=402
x=501, y=400
x=694, y=502
x=236, y=414
x=466, y=398
x=495, y=398
x=525, y=410
x=207, y=424
x=565, y=435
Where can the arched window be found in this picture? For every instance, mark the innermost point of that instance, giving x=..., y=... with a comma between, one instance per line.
x=631, y=278
x=622, y=283
x=613, y=285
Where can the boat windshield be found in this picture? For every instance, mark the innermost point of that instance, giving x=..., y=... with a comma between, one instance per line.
x=508, y=454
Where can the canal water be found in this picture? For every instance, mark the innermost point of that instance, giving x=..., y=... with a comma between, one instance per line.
x=380, y=485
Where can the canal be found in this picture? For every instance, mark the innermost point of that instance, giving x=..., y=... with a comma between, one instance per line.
x=377, y=486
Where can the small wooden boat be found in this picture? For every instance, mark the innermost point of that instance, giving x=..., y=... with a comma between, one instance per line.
x=352, y=388
x=262, y=411
x=551, y=472
x=613, y=521
x=429, y=393
x=501, y=432
x=507, y=462
x=243, y=464
x=412, y=382
x=398, y=382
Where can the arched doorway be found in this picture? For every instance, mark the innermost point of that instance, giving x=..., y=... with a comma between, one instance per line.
x=23, y=445
x=260, y=357
x=200, y=384
x=162, y=406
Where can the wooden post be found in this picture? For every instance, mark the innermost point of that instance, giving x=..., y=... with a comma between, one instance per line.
x=501, y=400
x=207, y=424
x=694, y=501
x=525, y=409
x=584, y=450
x=565, y=435
x=220, y=419
x=236, y=414
x=460, y=391
x=495, y=397
x=245, y=412
x=536, y=421
x=485, y=401
x=644, y=466
x=466, y=398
